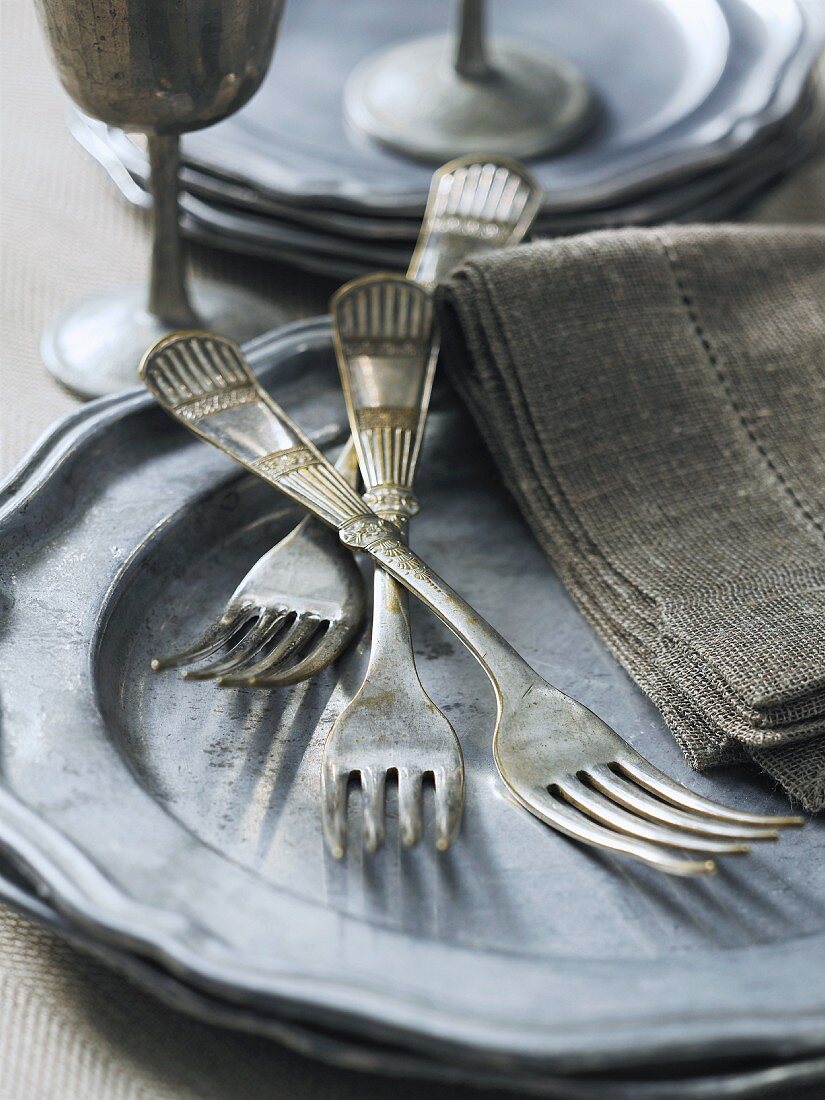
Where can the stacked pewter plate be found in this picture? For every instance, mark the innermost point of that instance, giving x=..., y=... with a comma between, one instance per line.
x=698, y=107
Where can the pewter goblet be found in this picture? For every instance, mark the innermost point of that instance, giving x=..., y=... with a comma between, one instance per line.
x=439, y=98
x=161, y=67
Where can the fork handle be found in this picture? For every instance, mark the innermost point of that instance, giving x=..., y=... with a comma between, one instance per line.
x=474, y=205
x=383, y=542
x=391, y=647
x=386, y=346
x=203, y=380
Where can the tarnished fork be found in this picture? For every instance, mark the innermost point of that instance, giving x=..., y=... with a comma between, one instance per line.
x=296, y=609
x=560, y=761
x=384, y=341
x=386, y=349
x=299, y=606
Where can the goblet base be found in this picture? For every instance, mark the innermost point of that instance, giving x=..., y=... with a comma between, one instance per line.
x=411, y=99
x=95, y=346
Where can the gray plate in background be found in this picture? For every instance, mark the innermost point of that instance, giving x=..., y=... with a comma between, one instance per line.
x=118, y=152
x=682, y=86
x=710, y=197
x=208, y=198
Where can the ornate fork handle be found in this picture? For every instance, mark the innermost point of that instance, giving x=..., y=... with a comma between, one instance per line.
x=474, y=205
x=203, y=380
x=385, y=544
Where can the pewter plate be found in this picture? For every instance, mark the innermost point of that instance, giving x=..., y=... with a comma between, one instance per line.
x=249, y=224
x=703, y=79
x=126, y=161
x=180, y=821
x=759, y=1078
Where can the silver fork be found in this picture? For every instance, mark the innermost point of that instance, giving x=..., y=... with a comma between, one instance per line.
x=559, y=760
x=299, y=606
x=384, y=341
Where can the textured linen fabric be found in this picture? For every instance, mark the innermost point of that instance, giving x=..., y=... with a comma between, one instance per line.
x=655, y=399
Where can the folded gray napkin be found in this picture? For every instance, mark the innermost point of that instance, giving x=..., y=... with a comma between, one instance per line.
x=656, y=398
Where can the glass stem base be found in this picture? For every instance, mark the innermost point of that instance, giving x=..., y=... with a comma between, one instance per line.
x=412, y=99
x=95, y=346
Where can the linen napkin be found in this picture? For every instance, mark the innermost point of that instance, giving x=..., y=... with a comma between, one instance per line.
x=655, y=399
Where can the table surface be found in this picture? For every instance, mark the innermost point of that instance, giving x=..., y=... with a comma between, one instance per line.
x=69, y=1027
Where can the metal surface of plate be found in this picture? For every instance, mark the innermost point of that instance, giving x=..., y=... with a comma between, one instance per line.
x=705, y=79
x=126, y=161
x=248, y=223
x=180, y=821
x=760, y=1078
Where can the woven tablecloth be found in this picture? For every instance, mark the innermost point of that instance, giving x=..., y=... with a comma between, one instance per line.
x=70, y=1029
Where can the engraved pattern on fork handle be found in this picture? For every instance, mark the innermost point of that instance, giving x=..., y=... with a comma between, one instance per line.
x=381, y=540
x=474, y=204
x=503, y=199
x=205, y=382
x=386, y=347
x=308, y=478
x=391, y=630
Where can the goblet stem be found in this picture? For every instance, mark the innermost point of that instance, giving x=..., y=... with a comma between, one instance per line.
x=168, y=298
x=470, y=58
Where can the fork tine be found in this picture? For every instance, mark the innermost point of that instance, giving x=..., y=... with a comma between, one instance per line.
x=211, y=639
x=574, y=824
x=258, y=635
x=409, y=806
x=636, y=799
x=334, y=808
x=316, y=657
x=607, y=813
x=293, y=638
x=372, y=799
x=449, y=801
x=662, y=785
